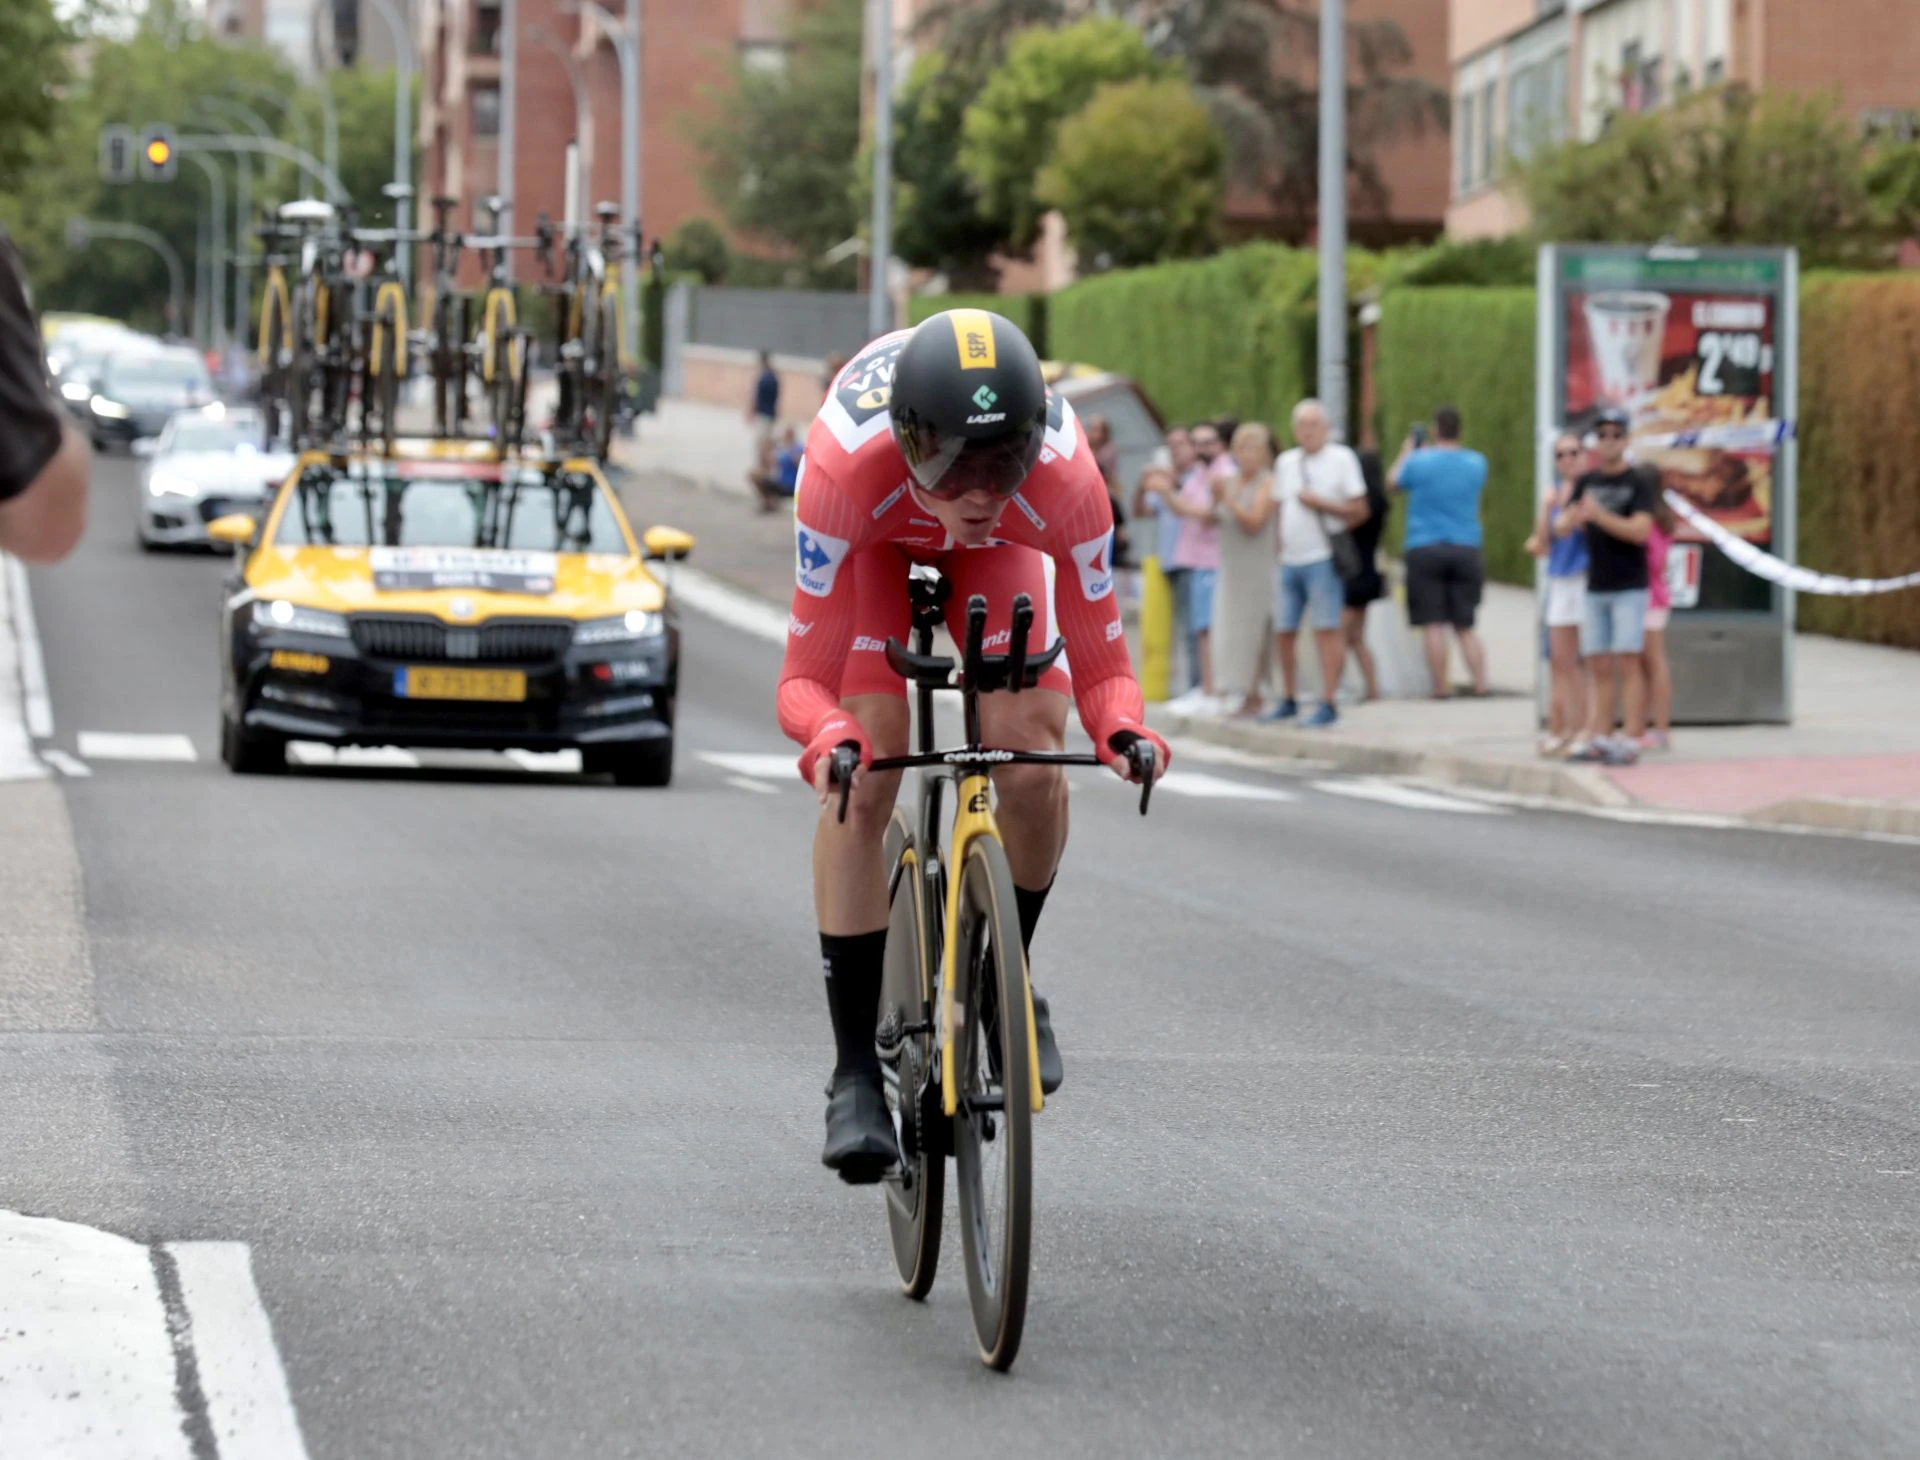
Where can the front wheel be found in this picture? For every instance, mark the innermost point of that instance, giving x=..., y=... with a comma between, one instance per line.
x=993, y=1126
x=916, y=1191
x=246, y=753
x=648, y=764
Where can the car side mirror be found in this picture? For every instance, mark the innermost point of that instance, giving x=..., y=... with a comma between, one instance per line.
x=669, y=543
x=236, y=529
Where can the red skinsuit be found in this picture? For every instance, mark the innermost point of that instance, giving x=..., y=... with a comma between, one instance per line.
x=857, y=528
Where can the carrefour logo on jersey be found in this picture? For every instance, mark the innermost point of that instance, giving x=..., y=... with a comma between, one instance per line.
x=817, y=560
x=1094, y=559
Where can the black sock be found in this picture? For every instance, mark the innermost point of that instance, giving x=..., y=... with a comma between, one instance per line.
x=1029, y=904
x=853, y=966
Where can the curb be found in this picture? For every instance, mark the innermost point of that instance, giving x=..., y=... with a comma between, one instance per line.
x=1839, y=813
x=1577, y=784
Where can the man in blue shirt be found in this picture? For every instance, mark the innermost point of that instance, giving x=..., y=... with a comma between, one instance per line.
x=763, y=414
x=1445, y=568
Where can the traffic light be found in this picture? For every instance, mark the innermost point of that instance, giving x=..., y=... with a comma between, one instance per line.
x=116, y=153
x=159, y=162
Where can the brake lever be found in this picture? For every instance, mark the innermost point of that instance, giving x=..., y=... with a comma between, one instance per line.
x=1142, y=755
x=846, y=760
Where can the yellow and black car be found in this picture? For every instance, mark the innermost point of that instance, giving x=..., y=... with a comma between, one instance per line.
x=430, y=598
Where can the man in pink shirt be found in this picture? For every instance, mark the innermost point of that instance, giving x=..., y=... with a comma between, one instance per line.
x=1197, y=550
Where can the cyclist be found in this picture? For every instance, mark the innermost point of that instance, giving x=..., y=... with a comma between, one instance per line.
x=927, y=438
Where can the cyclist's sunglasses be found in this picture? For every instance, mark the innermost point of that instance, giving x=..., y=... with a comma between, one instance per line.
x=947, y=467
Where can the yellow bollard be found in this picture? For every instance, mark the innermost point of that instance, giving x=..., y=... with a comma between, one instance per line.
x=1156, y=630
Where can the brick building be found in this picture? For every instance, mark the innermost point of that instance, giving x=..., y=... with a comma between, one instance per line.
x=1528, y=72
x=685, y=46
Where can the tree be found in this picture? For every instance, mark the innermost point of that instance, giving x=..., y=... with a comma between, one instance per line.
x=33, y=64
x=778, y=150
x=937, y=223
x=363, y=106
x=1138, y=174
x=1728, y=166
x=1008, y=131
x=697, y=246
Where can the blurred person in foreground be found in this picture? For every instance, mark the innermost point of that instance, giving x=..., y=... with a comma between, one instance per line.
x=1563, y=543
x=1320, y=490
x=44, y=461
x=1243, y=594
x=1370, y=584
x=1613, y=503
x=1445, y=567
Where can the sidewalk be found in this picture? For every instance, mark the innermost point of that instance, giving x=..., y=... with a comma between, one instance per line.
x=1850, y=761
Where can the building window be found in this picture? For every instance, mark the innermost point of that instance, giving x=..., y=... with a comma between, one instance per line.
x=486, y=30
x=486, y=109
x=1465, y=122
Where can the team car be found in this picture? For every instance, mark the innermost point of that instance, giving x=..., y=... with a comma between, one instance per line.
x=431, y=599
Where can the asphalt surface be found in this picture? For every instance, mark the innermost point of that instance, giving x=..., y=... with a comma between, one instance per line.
x=1388, y=1130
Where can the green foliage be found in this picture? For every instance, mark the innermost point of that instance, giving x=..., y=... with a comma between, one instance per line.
x=1727, y=167
x=1138, y=174
x=1477, y=261
x=778, y=146
x=1893, y=189
x=1226, y=334
x=33, y=65
x=1029, y=311
x=1859, y=514
x=1472, y=349
x=363, y=102
x=699, y=246
x=1008, y=132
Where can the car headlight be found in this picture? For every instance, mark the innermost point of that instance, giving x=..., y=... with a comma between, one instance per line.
x=163, y=485
x=626, y=627
x=277, y=613
x=112, y=409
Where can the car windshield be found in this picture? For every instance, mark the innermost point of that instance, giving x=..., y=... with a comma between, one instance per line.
x=156, y=375
x=208, y=435
x=528, y=511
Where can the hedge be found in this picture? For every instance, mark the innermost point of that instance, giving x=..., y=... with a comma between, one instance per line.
x=1029, y=311
x=1471, y=349
x=1225, y=335
x=1859, y=441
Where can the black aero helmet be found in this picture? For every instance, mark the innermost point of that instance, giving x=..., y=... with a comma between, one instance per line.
x=969, y=406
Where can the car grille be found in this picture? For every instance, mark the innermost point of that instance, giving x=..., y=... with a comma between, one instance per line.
x=425, y=639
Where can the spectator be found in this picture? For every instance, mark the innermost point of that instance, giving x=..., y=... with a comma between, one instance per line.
x=1243, y=593
x=1445, y=568
x=44, y=460
x=1320, y=488
x=1106, y=456
x=780, y=483
x=1154, y=495
x=1197, y=549
x=763, y=413
x=1659, y=734
x=1369, y=585
x=1563, y=544
x=1613, y=502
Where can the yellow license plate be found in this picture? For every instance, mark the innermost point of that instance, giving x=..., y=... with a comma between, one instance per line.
x=460, y=684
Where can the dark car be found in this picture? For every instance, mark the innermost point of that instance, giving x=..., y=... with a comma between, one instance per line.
x=136, y=392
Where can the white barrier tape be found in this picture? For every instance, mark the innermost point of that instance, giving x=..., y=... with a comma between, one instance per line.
x=1742, y=436
x=1774, y=570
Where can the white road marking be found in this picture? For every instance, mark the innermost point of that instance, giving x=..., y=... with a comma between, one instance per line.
x=1392, y=793
x=1205, y=787
x=87, y=1369
x=66, y=764
x=33, y=665
x=549, y=762
x=731, y=606
x=741, y=783
x=375, y=757
x=248, y=1405
x=113, y=745
x=761, y=767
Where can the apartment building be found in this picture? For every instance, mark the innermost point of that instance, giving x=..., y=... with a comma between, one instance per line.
x=1529, y=73
x=685, y=47
x=313, y=34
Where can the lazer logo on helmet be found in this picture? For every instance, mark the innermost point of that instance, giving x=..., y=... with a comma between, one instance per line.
x=817, y=560
x=984, y=399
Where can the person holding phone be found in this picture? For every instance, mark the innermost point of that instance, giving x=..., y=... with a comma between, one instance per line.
x=1445, y=567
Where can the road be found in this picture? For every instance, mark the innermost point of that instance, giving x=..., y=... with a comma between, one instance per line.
x=1392, y=1127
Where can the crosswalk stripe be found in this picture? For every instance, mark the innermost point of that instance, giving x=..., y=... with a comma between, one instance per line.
x=547, y=762
x=760, y=767
x=314, y=753
x=1391, y=793
x=115, y=745
x=1202, y=786
x=66, y=764
x=742, y=783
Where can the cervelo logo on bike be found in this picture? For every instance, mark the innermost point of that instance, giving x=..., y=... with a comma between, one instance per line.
x=1094, y=559
x=976, y=757
x=817, y=559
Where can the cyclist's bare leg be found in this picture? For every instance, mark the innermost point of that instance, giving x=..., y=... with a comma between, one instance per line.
x=1031, y=804
x=849, y=877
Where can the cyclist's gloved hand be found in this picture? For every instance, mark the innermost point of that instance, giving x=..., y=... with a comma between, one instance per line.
x=838, y=728
x=1119, y=734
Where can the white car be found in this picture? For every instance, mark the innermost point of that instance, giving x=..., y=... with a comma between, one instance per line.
x=206, y=464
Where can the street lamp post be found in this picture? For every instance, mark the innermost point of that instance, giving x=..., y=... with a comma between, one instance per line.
x=509, y=122
x=217, y=284
x=626, y=45
x=582, y=115
x=402, y=121
x=332, y=119
x=244, y=213
x=880, y=247
x=1333, y=215
x=272, y=147
x=82, y=231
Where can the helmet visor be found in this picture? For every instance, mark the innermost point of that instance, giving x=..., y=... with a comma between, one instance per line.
x=948, y=467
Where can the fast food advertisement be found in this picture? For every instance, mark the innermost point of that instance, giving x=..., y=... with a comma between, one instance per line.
x=1689, y=366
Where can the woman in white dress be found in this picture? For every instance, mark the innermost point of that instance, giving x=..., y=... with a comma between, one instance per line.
x=1243, y=595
